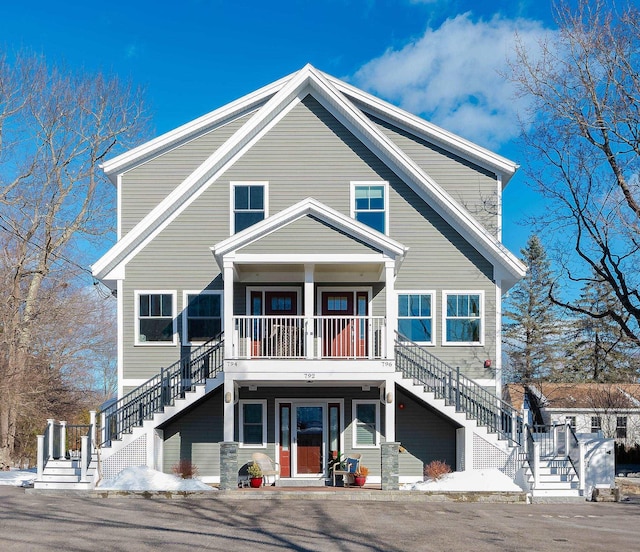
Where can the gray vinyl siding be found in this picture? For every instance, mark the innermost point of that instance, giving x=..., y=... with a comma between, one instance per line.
x=307, y=235
x=196, y=436
x=147, y=185
x=424, y=435
x=471, y=186
x=308, y=153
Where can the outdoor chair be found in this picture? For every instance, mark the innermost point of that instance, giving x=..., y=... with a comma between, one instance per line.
x=346, y=468
x=268, y=466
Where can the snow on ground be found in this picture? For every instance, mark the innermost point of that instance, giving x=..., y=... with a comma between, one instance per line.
x=18, y=478
x=470, y=480
x=145, y=479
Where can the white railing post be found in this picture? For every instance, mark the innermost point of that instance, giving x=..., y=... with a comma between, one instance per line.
x=536, y=464
x=525, y=438
x=84, y=450
x=40, y=439
x=103, y=428
x=92, y=430
x=581, y=467
x=63, y=439
x=554, y=434
x=514, y=427
x=50, y=427
x=567, y=437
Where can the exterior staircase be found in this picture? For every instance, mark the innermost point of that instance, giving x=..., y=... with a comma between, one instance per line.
x=65, y=474
x=556, y=478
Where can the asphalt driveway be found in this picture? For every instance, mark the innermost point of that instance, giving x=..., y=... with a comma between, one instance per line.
x=32, y=522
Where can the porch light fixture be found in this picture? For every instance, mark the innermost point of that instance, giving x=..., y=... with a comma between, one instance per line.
x=487, y=363
x=389, y=397
x=227, y=397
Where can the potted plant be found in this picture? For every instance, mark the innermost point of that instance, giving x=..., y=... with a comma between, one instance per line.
x=255, y=475
x=360, y=477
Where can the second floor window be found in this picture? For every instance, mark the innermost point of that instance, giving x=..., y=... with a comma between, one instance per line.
x=370, y=205
x=415, y=320
x=596, y=424
x=463, y=318
x=203, y=316
x=156, y=320
x=621, y=427
x=249, y=205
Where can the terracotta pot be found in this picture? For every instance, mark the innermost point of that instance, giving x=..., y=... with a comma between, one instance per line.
x=359, y=481
x=255, y=482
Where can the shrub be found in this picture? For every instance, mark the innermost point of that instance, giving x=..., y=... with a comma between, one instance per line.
x=436, y=469
x=185, y=469
x=362, y=471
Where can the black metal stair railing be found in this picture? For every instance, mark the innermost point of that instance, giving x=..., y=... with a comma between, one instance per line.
x=468, y=396
x=161, y=390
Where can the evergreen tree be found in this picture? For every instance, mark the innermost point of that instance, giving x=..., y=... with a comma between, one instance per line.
x=531, y=319
x=597, y=348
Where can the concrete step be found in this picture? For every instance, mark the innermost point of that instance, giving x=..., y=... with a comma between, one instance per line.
x=62, y=485
x=302, y=482
x=560, y=485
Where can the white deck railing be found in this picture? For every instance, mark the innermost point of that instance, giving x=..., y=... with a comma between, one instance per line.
x=309, y=337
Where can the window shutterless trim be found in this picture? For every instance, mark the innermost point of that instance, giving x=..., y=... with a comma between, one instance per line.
x=354, y=420
x=185, y=312
x=136, y=297
x=232, y=199
x=432, y=294
x=481, y=318
x=352, y=199
x=241, y=404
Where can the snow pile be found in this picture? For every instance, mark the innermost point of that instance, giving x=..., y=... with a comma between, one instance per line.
x=145, y=479
x=18, y=478
x=466, y=481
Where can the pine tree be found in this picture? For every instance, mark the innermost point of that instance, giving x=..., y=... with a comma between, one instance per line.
x=597, y=349
x=531, y=322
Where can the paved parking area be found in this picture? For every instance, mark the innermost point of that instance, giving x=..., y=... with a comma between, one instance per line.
x=33, y=522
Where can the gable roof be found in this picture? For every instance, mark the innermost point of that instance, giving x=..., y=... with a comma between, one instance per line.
x=388, y=247
x=282, y=97
x=592, y=396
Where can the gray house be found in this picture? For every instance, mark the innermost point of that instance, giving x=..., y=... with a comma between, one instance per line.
x=306, y=272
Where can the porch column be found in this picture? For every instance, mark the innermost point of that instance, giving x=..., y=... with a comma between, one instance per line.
x=228, y=466
x=229, y=408
x=391, y=307
x=389, y=401
x=309, y=298
x=390, y=468
x=229, y=331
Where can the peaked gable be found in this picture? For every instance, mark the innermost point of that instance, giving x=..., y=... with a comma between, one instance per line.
x=310, y=81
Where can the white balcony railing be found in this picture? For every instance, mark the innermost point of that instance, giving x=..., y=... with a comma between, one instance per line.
x=310, y=337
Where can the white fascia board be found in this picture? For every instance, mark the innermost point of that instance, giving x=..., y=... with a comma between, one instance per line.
x=309, y=206
x=427, y=131
x=412, y=174
x=120, y=163
x=174, y=203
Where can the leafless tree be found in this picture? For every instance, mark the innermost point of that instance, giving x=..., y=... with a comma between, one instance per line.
x=582, y=136
x=56, y=127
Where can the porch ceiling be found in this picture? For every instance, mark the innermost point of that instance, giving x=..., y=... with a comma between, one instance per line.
x=323, y=272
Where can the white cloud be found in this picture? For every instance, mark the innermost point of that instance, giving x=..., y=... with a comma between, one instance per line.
x=453, y=76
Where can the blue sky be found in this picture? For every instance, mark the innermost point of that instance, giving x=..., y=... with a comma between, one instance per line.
x=440, y=59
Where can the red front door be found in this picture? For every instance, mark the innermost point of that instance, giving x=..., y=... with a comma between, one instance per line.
x=344, y=332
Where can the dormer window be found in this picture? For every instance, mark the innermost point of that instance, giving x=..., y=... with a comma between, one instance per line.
x=369, y=204
x=249, y=204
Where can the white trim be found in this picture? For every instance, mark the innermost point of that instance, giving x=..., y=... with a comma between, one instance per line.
x=431, y=293
x=446, y=343
x=262, y=289
x=354, y=417
x=241, y=403
x=120, y=334
x=174, y=315
x=232, y=206
x=352, y=199
x=497, y=360
x=185, y=316
x=119, y=207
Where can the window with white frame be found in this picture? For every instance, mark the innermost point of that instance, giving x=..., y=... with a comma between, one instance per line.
x=253, y=423
x=621, y=427
x=596, y=424
x=369, y=204
x=463, y=318
x=415, y=316
x=249, y=204
x=202, y=317
x=571, y=420
x=155, y=317
x=366, y=424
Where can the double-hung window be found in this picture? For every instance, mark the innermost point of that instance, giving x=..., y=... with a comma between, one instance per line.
x=463, y=318
x=249, y=204
x=415, y=316
x=366, y=424
x=253, y=423
x=621, y=427
x=202, y=317
x=596, y=424
x=155, y=317
x=369, y=204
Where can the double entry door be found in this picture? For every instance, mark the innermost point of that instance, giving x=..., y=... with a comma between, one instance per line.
x=308, y=437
